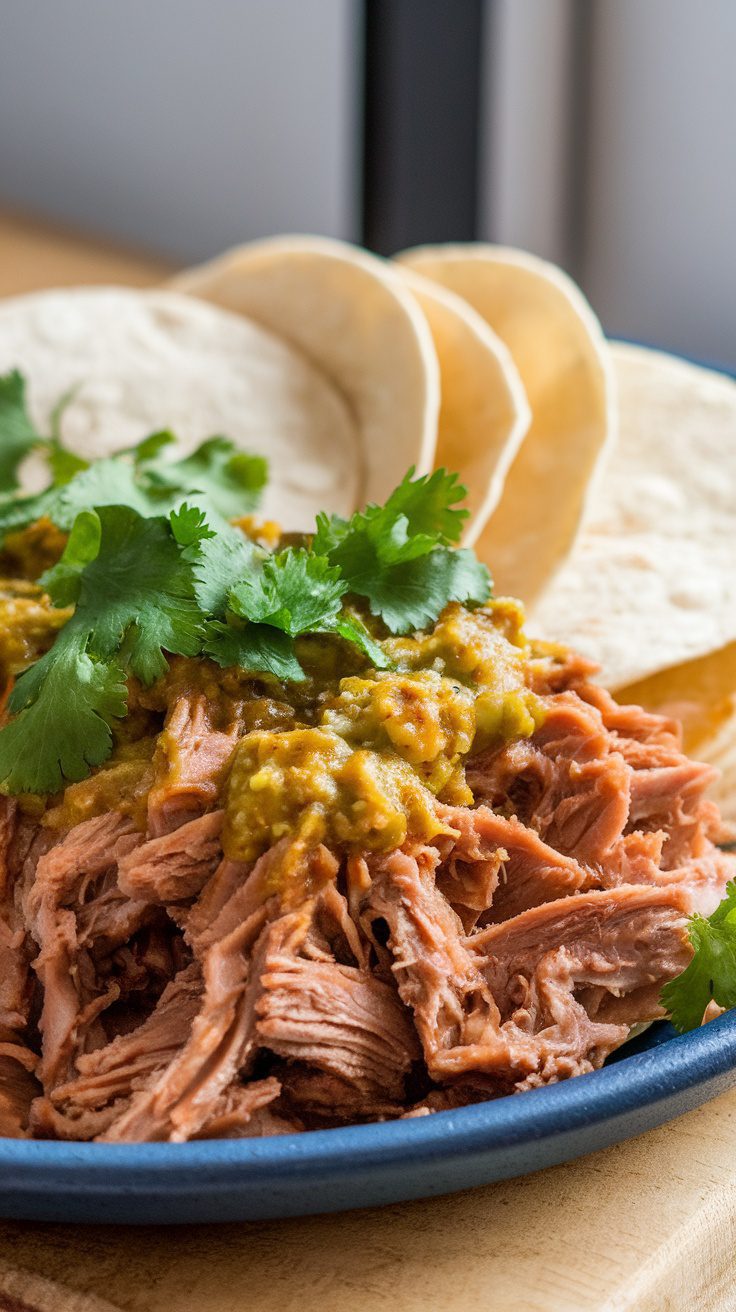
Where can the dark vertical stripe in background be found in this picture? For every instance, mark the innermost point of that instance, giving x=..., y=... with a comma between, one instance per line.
x=422, y=92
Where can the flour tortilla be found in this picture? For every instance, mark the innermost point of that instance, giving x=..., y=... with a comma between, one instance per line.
x=349, y=314
x=701, y=694
x=484, y=412
x=146, y=360
x=651, y=583
x=562, y=358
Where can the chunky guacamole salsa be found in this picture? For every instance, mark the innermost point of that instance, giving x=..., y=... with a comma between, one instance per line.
x=366, y=754
x=349, y=755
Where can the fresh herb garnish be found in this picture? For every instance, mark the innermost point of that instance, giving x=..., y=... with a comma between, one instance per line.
x=256, y=647
x=711, y=975
x=134, y=600
x=64, y=705
x=227, y=481
x=153, y=568
x=400, y=556
x=231, y=480
x=288, y=594
x=18, y=434
x=62, y=462
x=149, y=486
x=294, y=590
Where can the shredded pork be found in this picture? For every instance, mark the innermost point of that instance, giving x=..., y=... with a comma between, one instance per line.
x=153, y=988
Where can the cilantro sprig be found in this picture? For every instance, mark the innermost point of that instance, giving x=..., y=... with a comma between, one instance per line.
x=711, y=975
x=65, y=706
x=227, y=481
x=134, y=600
x=149, y=485
x=401, y=557
x=286, y=595
x=232, y=480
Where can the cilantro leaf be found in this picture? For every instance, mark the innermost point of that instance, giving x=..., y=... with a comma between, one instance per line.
x=398, y=555
x=291, y=593
x=412, y=594
x=17, y=513
x=353, y=630
x=424, y=508
x=294, y=591
x=18, y=433
x=150, y=447
x=428, y=505
x=110, y=482
x=287, y=594
x=257, y=648
x=107, y=482
x=405, y=584
x=134, y=595
x=189, y=526
x=139, y=587
x=711, y=974
x=231, y=480
x=331, y=529
x=218, y=564
x=64, y=465
x=63, y=580
x=228, y=481
x=68, y=701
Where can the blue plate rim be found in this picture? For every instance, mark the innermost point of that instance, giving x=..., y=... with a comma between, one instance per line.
x=658, y=1074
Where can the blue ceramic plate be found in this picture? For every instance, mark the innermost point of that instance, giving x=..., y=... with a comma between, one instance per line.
x=364, y=1165
x=652, y=1080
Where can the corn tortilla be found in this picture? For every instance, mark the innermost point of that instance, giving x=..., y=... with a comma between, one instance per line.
x=561, y=355
x=348, y=313
x=484, y=413
x=145, y=360
x=651, y=583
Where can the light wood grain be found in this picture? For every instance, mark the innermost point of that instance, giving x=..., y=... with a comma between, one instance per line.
x=647, y=1226
x=33, y=254
x=23, y=1291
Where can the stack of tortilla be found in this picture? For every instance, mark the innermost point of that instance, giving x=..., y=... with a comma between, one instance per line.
x=601, y=476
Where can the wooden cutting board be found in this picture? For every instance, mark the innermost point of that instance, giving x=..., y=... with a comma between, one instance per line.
x=647, y=1226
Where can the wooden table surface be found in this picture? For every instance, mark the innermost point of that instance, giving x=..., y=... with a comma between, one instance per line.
x=646, y=1226
x=35, y=254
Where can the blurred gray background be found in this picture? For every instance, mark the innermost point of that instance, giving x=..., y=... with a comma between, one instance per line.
x=600, y=133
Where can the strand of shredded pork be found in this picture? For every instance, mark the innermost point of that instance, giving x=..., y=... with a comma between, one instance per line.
x=153, y=988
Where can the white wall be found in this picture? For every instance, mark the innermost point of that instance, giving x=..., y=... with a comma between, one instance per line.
x=611, y=148
x=183, y=125
x=660, y=223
